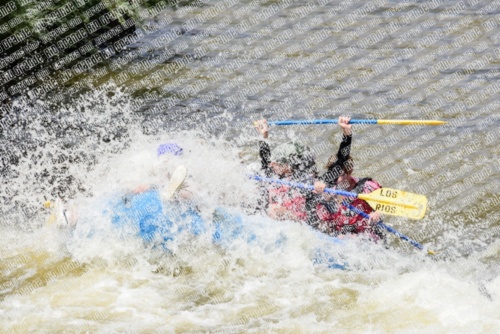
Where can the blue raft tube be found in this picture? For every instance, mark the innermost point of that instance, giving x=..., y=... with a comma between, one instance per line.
x=162, y=223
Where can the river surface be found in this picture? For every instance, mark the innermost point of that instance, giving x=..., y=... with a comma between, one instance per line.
x=245, y=61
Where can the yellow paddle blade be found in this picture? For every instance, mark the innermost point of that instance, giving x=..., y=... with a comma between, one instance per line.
x=409, y=122
x=397, y=202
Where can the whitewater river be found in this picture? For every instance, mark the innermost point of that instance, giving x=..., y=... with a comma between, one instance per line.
x=245, y=61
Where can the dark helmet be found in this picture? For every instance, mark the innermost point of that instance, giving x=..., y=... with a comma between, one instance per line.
x=288, y=153
x=299, y=157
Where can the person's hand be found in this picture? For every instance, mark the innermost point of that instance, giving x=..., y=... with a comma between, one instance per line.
x=344, y=124
x=262, y=127
x=374, y=217
x=319, y=187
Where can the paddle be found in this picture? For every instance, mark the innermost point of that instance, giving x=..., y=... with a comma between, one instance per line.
x=360, y=121
x=389, y=201
x=175, y=182
x=388, y=228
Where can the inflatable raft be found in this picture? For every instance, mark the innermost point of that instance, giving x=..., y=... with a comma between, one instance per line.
x=162, y=222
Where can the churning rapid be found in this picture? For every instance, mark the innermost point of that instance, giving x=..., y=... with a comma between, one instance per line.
x=240, y=271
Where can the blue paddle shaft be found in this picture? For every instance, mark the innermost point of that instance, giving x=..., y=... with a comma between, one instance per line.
x=323, y=121
x=304, y=186
x=401, y=235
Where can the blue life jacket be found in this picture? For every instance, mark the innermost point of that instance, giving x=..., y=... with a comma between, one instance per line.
x=155, y=219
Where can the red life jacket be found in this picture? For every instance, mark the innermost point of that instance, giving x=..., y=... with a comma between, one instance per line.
x=345, y=220
x=291, y=199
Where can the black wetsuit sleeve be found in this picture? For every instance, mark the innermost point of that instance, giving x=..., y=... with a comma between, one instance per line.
x=345, y=148
x=265, y=160
x=265, y=157
x=330, y=177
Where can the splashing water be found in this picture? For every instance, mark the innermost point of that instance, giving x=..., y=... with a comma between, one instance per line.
x=273, y=277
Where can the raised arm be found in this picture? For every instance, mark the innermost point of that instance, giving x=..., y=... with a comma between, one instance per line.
x=345, y=144
x=336, y=161
x=265, y=157
x=264, y=151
